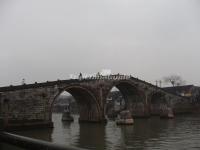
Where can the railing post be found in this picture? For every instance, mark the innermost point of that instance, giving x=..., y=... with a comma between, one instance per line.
x=1, y=112
x=1, y=124
x=32, y=144
x=1, y=130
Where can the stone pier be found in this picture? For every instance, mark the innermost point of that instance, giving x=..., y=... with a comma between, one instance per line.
x=31, y=105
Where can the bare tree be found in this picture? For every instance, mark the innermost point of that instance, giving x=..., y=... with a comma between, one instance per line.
x=175, y=80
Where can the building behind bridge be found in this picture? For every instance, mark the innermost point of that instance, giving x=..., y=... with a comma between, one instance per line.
x=189, y=91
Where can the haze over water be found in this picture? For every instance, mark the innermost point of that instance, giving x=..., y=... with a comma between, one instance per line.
x=183, y=132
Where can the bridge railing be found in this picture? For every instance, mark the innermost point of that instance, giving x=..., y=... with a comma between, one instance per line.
x=30, y=143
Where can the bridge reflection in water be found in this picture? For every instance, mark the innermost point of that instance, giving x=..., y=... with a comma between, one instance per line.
x=154, y=133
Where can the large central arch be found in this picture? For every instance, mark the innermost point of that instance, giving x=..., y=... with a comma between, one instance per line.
x=88, y=106
x=134, y=96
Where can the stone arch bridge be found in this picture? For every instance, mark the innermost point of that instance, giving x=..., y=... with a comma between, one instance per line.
x=31, y=104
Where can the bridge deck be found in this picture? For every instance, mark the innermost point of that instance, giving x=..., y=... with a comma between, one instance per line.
x=53, y=83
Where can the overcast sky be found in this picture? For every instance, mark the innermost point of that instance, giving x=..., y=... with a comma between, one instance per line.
x=44, y=40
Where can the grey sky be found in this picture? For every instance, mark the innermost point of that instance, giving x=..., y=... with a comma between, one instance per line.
x=49, y=39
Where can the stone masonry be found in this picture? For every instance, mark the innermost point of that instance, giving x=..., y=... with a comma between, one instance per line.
x=31, y=105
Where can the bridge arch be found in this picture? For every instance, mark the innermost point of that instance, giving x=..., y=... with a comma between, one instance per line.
x=134, y=97
x=88, y=106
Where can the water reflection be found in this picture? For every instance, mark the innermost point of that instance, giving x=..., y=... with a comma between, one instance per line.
x=45, y=135
x=65, y=132
x=66, y=125
x=144, y=132
x=183, y=132
x=91, y=136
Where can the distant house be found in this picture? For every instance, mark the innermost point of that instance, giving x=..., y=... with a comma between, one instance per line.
x=190, y=91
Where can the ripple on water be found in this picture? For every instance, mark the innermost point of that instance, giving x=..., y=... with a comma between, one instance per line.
x=183, y=132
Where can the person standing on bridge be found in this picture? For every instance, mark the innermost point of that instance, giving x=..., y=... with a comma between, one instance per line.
x=80, y=76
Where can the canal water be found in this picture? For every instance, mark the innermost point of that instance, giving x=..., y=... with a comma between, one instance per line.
x=183, y=132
